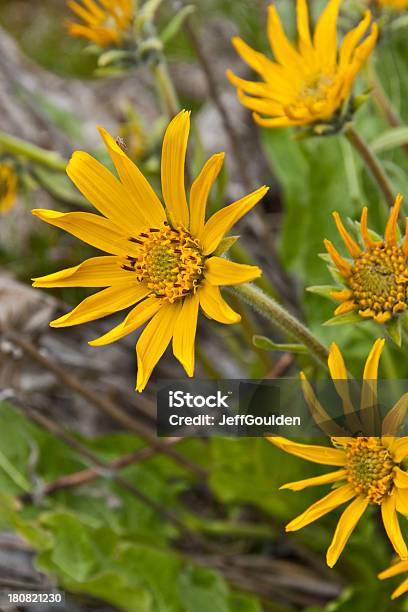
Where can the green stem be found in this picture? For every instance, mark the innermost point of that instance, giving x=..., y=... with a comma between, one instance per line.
x=165, y=88
x=372, y=163
x=17, y=146
x=272, y=311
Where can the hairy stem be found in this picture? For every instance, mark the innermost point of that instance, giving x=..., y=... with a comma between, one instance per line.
x=372, y=163
x=279, y=317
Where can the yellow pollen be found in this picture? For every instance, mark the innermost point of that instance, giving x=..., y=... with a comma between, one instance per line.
x=315, y=89
x=170, y=261
x=370, y=468
x=379, y=280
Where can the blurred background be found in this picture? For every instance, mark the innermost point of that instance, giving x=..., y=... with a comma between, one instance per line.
x=91, y=503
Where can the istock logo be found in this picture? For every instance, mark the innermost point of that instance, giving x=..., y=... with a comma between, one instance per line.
x=179, y=399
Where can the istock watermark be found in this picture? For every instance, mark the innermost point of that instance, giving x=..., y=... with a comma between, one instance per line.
x=283, y=407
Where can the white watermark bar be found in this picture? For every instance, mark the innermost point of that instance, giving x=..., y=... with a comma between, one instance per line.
x=282, y=407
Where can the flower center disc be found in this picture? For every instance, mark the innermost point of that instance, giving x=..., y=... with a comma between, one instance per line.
x=379, y=279
x=316, y=88
x=370, y=468
x=170, y=262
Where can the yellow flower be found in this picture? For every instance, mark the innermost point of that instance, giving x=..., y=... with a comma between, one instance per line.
x=398, y=5
x=377, y=278
x=161, y=258
x=105, y=22
x=8, y=187
x=370, y=469
x=308, y=83
x=394, y=570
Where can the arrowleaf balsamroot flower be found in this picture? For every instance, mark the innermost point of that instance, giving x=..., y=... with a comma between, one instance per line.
x=307, y=83
x=8, y=187
x=369, y=469
x=397, y=5
x=104, y=22
x=376, y=280
x=394, y=570
x=161, y=257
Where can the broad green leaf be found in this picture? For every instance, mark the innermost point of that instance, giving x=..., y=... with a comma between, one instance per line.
x=394, y=329
x=202, y=589
x=75, y=551
x=344, y=319
x=391, y=139
x=267, y=344
x=323, y=290
x=114, y=589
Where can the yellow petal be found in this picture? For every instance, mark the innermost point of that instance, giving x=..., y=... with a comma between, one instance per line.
x=400, y=449
x=136, y=317
x=302, y=14
x=95, y=230
x=325, y=35
x=265, y=106
x=153, y=342
x=220, y=271
x=403, y=588
x=391, y=524
x=257, y=61
x=214, y=305
x=105, y=192
x=299, y=485
x=145, y=203
x=185, y=333
x=345, y=527
x=371, y=365
x=224, y=219
x=283, y=50
x=342, y=265
x=391, y=227
x=348, y=306
x=405, y=245
x=321, y=507
x=352, y=39
x=81, y=12
x=351, y=245
x=341, y=296
x=200, y=190
x=103, y=303
x=397, y=568
x=172, y=168
x=311, y=452
x=95, y=272
x=364, y=229
x=395, y=418
x=401, y=501
x=319, y=414
x=339, y=375
x=275, y=122
x=400, y=478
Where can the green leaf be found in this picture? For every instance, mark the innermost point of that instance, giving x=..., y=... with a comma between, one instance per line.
x=394, y=329
x=267, y=344
x=323, y=290
x=114, y=56
x=344, y=319
x=17, y=477
x=175, y=24
x=202, y=589
x=74, y=552
x=225, y=245
x=390, y=139
x=114, y=589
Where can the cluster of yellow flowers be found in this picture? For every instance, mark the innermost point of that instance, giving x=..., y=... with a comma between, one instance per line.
x=164, y=257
